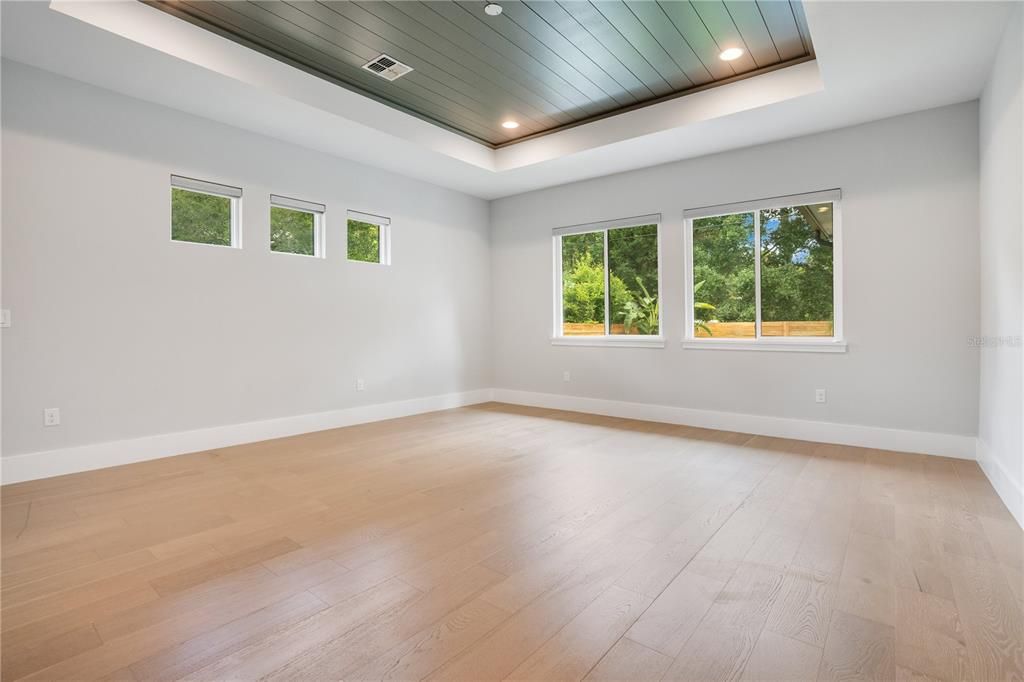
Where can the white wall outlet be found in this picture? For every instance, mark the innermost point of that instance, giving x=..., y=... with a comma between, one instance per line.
x=360, y=385
x=51, y=416
x=819, y=395
x=5, y=318
x=566, y=376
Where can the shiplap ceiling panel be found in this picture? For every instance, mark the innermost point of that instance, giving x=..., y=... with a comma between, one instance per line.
x=719, y=22
x=657, y=23
x=562, y=21
x=751, y=25
x=460, y=86
x=544, y=64
x=479, y=45
x=782, y=24
x=535, y=35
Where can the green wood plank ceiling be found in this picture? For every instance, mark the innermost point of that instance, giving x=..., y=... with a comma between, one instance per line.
x=545, y=65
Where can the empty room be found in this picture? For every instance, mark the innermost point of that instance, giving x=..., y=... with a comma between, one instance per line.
x=517, y=340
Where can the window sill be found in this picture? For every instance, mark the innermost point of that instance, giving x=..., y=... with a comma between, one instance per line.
x=623, y=341
x=314, y=256
x=788, y=345
x=234, y=247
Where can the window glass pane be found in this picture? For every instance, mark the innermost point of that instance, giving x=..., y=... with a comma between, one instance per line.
x=200, y=218
x=363, y=241
x=633, y=279
x=292, y=231
x=723, y=276
x=796, y=271
x=583, y=284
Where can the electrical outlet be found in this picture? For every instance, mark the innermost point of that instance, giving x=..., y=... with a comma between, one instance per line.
x=819, y=395
x=565, y=376
x=360, y=385
x=51, y=416
x=5, y=318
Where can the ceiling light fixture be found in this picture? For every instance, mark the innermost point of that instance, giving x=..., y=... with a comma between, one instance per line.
x=492, y=9
x=510, y=125
x=730, y=54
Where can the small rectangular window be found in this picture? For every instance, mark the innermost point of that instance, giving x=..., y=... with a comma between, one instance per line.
x=369, y=238
x=205, y=212
x=296, y=226
x=607, y=284
x=765, y=272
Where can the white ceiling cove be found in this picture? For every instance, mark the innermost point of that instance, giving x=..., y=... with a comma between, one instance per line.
x=874, y=60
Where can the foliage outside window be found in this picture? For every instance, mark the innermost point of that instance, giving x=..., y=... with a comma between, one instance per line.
x=723, y=276
x=204, y=212
x=296, y=226
x=765, y=272
x=292, y=231
x=609, y=282
x=363, y=241
x=368, y=238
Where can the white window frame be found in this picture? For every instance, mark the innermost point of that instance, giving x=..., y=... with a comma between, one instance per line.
x=607, y=340
x=383, y=240
x=832, y=344
x=318, y=211
x=213, y=189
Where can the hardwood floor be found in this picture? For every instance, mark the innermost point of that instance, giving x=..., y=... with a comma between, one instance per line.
x=498, y=542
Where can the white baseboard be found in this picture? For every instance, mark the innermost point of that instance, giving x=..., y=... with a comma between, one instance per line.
x=1010, y=491
x=30, y=466
x=945, y=444
x=33, y=465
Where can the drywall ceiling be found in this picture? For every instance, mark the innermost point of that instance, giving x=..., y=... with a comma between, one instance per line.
x=538, y=65
x=872, y=60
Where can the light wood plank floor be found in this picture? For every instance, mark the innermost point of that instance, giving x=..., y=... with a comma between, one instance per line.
x=497, y=542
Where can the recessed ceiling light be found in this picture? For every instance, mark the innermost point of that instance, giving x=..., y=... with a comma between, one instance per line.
x=510, y=125
x=730, y=54
x=492, y=9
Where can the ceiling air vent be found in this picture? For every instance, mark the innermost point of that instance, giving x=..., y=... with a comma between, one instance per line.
x=387, y=68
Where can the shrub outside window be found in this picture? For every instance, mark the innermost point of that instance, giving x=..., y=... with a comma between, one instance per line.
x=765, y=274
x=607, y=283
x=369, y=238
x=205, y=212
x=296, y=226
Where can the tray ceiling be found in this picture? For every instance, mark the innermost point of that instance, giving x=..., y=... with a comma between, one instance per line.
x=544, y=65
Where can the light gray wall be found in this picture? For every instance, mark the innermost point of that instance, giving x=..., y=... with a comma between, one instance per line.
x=1002, y=255
x=133, y=335
x=910, y=210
